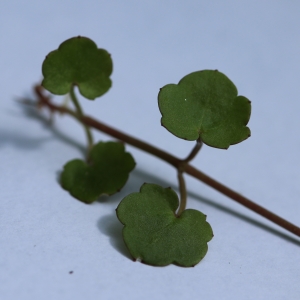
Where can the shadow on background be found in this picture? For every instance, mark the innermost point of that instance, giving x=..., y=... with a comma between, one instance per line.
x=111, y=226
x=29, y=143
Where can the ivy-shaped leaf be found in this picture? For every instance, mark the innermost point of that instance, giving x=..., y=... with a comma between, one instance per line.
x=205, y=104
x=155, y=235
x=106, y=173
x=79, y=62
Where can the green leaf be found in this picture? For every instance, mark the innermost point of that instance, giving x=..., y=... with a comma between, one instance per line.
x=107, y=172
x=205, y=104
x=155, y=235
x=79, y=62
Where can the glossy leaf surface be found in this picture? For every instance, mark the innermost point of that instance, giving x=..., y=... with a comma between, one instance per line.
x=205, y=104
x=79, y=62
x=153, y=233
x=107, y=172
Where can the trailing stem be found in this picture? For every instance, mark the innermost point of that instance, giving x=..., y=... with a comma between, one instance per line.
x=172, y=160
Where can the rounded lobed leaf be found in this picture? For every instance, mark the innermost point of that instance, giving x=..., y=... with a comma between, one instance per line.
x=79, y=62
x=106, y=174
x=205, y=104
x=155, y=235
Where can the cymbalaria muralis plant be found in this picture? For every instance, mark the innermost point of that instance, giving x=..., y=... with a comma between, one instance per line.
x=203, y=107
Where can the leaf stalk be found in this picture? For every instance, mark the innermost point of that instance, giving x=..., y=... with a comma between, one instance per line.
x=80, y=114
x=195, y=151
x=181, y=170
x=183, y=194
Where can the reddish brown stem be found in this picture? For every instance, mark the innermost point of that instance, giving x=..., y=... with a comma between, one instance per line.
x=242, y=200
x=179, y=164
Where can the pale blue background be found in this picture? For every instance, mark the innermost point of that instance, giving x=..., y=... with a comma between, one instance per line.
x=45, y=233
